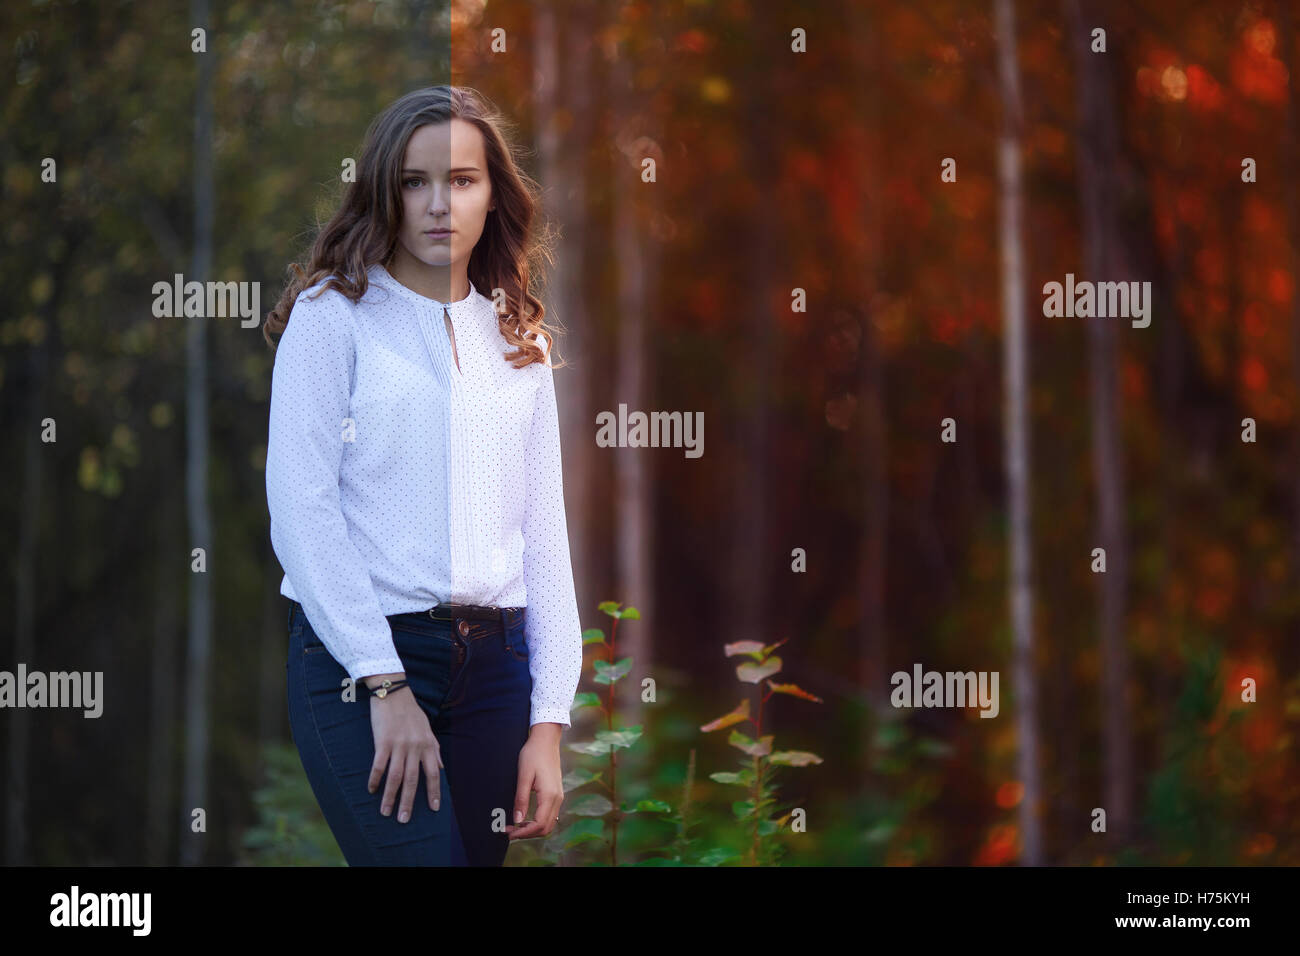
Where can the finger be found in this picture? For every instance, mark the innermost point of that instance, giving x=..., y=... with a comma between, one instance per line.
x=548, y=811
x=377, y=769
x=523, y=789
x=432, y=782
x=410, y=783
x=527, y=830
x=396, y=765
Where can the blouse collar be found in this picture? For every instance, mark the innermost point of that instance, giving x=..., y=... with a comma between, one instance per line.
x=379, y=275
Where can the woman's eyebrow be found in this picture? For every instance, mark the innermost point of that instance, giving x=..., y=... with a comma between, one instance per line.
x=458, y=169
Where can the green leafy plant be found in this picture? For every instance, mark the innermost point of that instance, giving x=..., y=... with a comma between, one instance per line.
x=756, y=774
x=1190, y=805
x=290, y=829
x=599, y=811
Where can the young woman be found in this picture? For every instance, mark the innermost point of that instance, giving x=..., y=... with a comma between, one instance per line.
x=414, y=485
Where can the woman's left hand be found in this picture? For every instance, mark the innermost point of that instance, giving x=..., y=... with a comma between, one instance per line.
x=539, y=770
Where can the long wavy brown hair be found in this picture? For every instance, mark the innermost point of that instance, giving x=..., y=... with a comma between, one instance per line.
x=364, y=230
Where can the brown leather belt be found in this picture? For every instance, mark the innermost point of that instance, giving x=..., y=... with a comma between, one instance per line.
x=508, y=616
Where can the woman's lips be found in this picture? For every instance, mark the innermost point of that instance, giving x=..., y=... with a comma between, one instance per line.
x=438, y=233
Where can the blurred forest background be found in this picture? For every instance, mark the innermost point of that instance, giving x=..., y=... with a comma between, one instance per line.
x=799, y=271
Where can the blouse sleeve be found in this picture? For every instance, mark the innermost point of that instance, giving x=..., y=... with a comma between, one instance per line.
x=311, y=387
x=551, y=623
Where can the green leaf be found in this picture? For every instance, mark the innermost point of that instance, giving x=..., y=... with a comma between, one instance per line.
x=582, y=831
x=590, y=805
x=630, y=613
x=585, y=699
x=768, y=827
x=742, y=808
x=752, y=673
x=593, y=635
x=738, y=714
x=754, y=649
x=794, y=690
x=794, y=758
x=578, y=778
x=623, y=737
x=754, y=748
x=592, y=748
x=744, y=778
x=653, y=806
x=607, y=673
x=608, y=607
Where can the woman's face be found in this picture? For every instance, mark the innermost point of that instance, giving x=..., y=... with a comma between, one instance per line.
x=445, y=193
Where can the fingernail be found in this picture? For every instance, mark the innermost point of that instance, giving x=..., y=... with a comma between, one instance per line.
x=437, y=804
x=386, y=811
x=403, y=816
x=519, y=815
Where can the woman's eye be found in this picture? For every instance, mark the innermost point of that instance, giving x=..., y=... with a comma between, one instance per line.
x=413, y=179
x=459, y=178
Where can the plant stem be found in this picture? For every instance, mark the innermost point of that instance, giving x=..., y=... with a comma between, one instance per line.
x=613, y=754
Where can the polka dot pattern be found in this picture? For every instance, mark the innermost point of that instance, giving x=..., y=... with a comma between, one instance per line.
x=396, y=481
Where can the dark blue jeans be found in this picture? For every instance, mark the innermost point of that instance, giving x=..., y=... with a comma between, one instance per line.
x=472, y=681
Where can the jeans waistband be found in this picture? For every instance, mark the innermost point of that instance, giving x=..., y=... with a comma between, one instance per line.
x=507, y=617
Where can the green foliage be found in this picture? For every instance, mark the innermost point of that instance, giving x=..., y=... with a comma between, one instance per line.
x=290, y=830
x=759, y=774
x=596, y=818
x=1189, y=805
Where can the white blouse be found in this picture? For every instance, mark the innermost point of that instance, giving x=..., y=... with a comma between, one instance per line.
x=396, y=481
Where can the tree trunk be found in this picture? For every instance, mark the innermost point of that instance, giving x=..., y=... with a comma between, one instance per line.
x=195, y=790
x=872, y=638
x=272, y=708
x=750, y=559
x=162, y=679
x=636, y=253
x=1098, y=154
x=19, y=730
x=1290, y=655
x=1016, y=425
x=565, y=117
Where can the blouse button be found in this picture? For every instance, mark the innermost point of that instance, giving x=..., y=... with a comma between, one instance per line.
x=463, y=627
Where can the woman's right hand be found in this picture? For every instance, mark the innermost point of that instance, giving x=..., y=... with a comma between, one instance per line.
x=404, y=742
